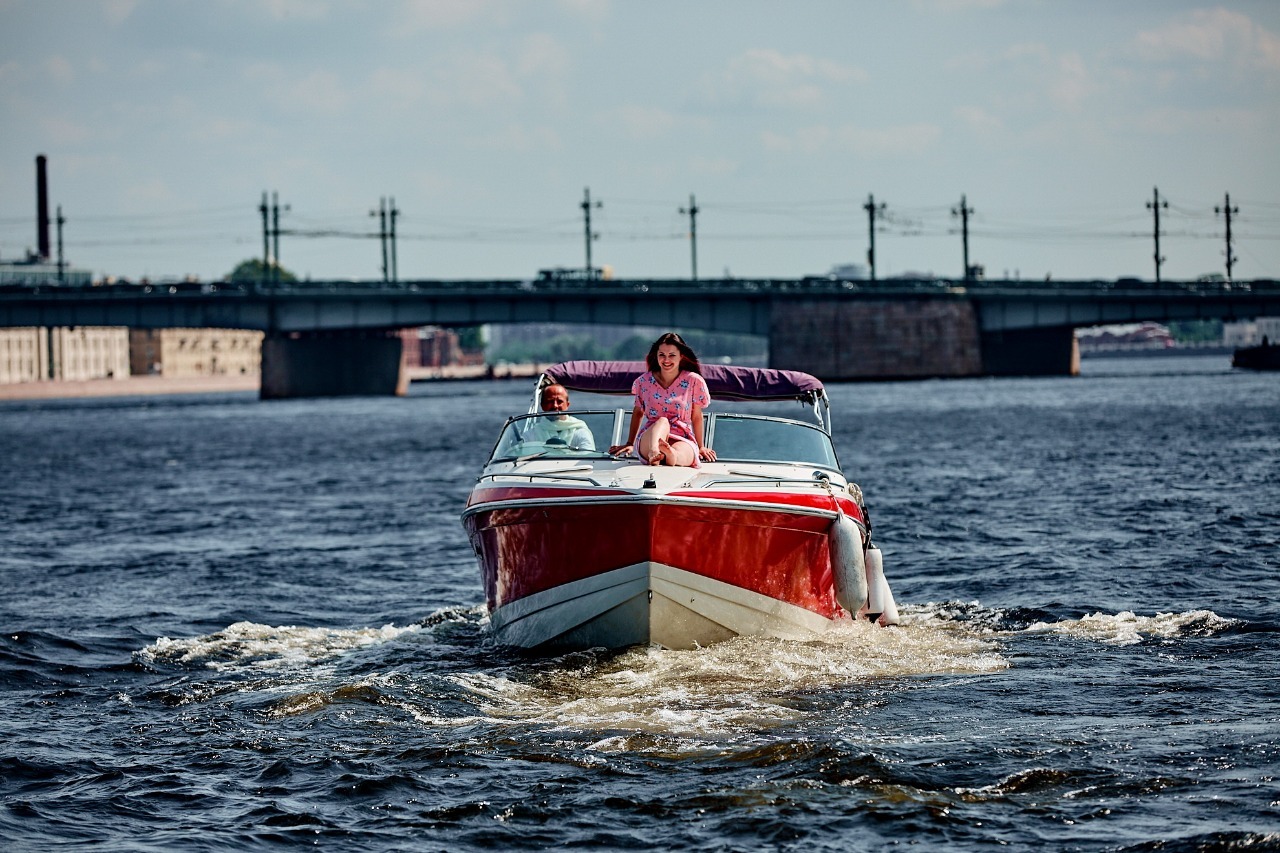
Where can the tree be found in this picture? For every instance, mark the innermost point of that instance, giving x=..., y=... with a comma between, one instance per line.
x=253, y=271
x=471, y=337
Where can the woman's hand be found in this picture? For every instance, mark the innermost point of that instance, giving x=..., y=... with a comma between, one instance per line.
x=706, y=454
x=620, y=450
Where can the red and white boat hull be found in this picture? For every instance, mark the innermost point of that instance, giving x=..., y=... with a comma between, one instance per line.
x=578, y=567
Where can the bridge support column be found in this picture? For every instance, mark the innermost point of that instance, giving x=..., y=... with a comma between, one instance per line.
x=1031, y=352
x=875, y=339
x=341, y=362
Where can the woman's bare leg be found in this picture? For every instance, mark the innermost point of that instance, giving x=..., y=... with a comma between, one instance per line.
x=652, y=440
x=680, y=453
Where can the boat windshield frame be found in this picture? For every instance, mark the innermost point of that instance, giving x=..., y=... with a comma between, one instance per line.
x=522, y=448
x=612, y=423
x=716, y=419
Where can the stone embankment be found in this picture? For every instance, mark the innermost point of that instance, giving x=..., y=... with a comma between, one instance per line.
x=131, y=386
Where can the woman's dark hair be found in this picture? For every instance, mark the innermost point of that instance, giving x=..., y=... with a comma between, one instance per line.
x=688, y=359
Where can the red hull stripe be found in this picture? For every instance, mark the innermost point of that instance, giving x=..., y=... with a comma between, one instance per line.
x=777, y=497
x=811, y=500
x=492, y=494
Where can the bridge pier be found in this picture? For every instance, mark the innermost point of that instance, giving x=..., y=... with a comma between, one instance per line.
x=1051, y=351
x=876, y=339
x=333, y=363
x=909, y=338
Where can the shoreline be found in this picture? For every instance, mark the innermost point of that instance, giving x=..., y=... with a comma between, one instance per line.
x=142, y=386
x=126, y=386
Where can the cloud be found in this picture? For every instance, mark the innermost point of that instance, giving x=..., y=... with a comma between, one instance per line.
x=59, y=69
x=717, y=166
x=474, y=79
x=980, y=121
x=542, y=55
x=477, y=79
x=1063, y=79
x=1070, y=82
x=767, y=77
x=283, y=10
x=319, y=92
x=852, y=139
x=63, y=131
x=593, y=9
x=641, y=122
x=956, y=5
x=1212, y=35
x=516, y=137
x=414, y=16
x=145, y=195
x=396, y=85
x=1176, y=122
x=117, y=11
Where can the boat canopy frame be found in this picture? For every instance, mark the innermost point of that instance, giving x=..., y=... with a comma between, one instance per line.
x=725, y=382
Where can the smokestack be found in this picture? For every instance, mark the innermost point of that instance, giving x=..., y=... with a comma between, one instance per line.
x=42, y=208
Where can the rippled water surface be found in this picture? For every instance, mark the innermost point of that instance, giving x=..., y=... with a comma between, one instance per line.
x=231, y=624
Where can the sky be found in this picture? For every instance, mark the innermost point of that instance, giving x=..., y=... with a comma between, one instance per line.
x=1056, y=122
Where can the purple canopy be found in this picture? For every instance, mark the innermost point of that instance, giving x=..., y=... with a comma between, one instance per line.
x=724, y=381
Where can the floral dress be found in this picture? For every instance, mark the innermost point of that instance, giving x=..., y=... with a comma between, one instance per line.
x=675, y=404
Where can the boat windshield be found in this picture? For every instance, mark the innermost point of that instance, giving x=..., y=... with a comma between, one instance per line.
x=556, y=434
x=748, y=438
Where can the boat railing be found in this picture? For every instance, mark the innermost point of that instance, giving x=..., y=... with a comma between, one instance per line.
x=764, y=480
x=537, y=475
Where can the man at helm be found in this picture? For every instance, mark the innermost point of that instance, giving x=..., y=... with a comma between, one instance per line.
x=564, y=431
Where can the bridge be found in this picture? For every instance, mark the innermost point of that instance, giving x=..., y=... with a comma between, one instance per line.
x=836, y=329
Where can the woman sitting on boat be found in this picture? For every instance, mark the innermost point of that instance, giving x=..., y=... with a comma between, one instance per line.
x=670, y=397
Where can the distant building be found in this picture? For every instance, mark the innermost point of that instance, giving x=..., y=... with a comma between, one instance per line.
x=24, y=354
x=71, y=353
x=184, y=353
x=89, y=352
x=432, y=346
x=1247, y=333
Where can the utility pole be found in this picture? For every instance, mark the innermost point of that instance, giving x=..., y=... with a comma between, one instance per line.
x=270, y=229
x=391, y=215
x=381, y=213
x=963, y=212
x=275, y=219
x=874, y=211
x=586, y=216
x=1154, y=206
x=1226, y=210
x=692, y=210
x=62, y=266
x=266, y=240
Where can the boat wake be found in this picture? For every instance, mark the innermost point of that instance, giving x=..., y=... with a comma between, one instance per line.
x=251, y=646
x=1125, y=628
x=646, y=699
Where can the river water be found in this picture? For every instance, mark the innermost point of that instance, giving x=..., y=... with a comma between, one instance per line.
x=231, y=624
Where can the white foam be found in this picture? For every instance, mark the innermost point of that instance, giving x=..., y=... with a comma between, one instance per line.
x=1127, y=628
x=644, y=697
x=250, y=645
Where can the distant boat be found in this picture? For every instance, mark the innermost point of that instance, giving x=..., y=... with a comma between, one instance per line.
x=1264, y=356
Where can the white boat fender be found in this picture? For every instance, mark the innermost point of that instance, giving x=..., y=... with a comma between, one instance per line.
x=880, y=604
x=848, y=567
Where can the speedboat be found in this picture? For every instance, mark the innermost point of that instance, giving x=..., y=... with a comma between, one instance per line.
x=580, y=549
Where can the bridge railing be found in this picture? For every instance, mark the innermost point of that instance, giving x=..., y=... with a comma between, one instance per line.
x=815, y=285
